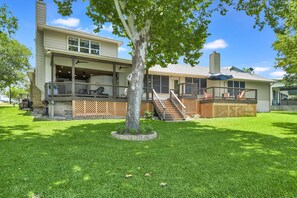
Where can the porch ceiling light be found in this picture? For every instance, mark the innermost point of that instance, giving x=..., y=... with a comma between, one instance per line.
x=48, y=51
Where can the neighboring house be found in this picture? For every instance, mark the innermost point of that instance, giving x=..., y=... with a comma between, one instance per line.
x=80, y=74
x=283, y=97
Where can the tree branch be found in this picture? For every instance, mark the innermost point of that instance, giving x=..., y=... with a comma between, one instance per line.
x=131, y=25
x=117, y=5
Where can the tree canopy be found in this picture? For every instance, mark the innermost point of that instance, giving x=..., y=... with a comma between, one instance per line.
x=14, y=61
x=8, y=23
x=286, y=46
x=14, y=57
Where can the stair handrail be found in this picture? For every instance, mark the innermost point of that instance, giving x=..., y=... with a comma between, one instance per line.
x=178, y=104
x=155, y=95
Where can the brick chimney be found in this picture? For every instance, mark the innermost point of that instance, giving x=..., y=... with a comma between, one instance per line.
x=214, y=63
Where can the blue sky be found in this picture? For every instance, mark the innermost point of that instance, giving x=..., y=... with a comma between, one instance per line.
x=232, y=35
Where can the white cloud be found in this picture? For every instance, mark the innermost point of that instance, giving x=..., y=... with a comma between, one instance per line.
x=217, y=44
x=122, y=49
x=69, y=22
x=277, y=74
x=107, y=28
x=261, y=69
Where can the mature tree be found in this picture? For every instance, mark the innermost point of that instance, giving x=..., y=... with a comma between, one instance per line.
x=249, y=70
x=14, y=57
x=8, y=23
x=17, y=90
x=162, y=31
x=286, y=46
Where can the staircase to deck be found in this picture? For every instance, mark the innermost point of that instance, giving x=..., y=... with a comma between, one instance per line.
x=172, y=113
x=167, y=110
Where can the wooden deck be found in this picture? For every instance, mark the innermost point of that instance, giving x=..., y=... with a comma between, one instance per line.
x=220, y=108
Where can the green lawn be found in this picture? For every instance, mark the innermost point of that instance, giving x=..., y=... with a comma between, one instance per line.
x=226, y=157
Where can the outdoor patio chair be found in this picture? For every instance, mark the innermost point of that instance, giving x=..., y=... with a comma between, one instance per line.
x=241, y=96
x=225, y=95
x=98, y=93
x=207, y=96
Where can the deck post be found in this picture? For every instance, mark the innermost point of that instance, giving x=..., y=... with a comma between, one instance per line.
x=114, y=80
x=73, y=78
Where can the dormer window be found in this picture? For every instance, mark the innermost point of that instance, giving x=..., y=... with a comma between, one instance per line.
x=83, y=45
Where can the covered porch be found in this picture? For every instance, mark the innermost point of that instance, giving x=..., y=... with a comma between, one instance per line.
x=84, y=85
x=89, y=77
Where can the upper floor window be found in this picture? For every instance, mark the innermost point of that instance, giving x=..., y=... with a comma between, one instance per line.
x=83, y=45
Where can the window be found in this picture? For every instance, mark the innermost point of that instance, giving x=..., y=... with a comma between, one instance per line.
x=235, y=84
x=72, y=44
x=159, y=83
x=83, y=45
x=95, y=47
x=201, y=84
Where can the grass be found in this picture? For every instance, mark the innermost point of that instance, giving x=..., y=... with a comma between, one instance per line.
x=224, y=157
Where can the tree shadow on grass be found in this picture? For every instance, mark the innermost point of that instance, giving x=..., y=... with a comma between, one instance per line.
x=284, y=112
x=194, y=159
x=25, y=113
x=288, y=127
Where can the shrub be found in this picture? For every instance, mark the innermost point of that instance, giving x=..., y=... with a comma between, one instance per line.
x=121, y=129
x=149, y=115
x=132, y=131
x=146, y=129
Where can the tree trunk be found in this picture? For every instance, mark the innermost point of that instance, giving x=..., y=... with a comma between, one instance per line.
x=9, y=87
x=136, y=86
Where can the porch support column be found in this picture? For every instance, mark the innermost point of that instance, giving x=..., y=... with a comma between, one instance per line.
x=51, y=86
x=52, y=67
x=146, y=85
x=114, y=80
x=73, y=78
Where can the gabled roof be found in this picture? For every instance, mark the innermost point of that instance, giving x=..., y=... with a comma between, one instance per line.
x=78, y=33
x=203, y=72
x=241, y=75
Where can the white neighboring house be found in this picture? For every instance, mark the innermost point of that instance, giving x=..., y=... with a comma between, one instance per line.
x=283, y=97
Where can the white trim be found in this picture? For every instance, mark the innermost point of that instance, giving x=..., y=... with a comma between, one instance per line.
x=94, y=56
x=79, y=34
x=78, y=45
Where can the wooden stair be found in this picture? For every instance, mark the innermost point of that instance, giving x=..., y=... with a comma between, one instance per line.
x=171, y=113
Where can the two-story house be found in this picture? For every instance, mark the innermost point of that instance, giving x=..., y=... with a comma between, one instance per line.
x=81, y=73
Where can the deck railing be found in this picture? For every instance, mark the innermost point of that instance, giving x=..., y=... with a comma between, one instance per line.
x=190, y=90
x=228, y=93
x=178, y=104
x=82, y=89
x=159, y=105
